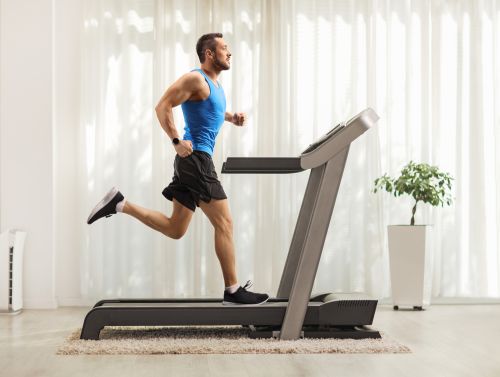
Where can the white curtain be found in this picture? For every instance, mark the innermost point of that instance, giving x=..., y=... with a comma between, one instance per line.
x=429, y=69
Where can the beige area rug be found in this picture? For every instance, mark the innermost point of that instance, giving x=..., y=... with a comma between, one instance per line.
x=213, y=340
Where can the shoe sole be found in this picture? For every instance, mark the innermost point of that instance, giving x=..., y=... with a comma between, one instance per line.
x=107, y=198
x=238, y=304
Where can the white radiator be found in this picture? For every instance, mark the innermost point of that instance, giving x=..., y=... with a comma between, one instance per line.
x=11, y=271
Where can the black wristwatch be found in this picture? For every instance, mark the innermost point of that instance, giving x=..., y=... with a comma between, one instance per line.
x=175, y=141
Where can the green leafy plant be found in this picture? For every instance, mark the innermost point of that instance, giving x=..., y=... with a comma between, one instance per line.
x=424, y=183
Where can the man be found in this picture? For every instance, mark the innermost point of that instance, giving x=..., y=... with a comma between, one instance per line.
x=195, y=181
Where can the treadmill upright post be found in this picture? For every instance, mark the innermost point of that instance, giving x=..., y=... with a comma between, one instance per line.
x=324, y=186
x=299, y=234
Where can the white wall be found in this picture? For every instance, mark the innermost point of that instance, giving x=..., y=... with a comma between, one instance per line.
x=67, y=52
x=39, y=114
x=26, y=116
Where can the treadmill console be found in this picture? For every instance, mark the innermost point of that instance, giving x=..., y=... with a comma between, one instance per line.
x=334, y=131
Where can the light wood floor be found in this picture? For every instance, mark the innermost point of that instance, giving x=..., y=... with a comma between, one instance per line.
x=447, y=340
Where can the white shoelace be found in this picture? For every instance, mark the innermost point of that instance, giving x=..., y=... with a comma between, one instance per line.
x=248, y=284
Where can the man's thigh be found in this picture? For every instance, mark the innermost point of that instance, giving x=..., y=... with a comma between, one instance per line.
x=181, y=215
x=217, y=211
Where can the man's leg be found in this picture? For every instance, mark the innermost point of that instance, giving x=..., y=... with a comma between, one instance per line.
x=219, y=215
x=173, y=227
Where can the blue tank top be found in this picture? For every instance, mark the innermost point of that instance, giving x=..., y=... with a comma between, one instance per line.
x=204, y=118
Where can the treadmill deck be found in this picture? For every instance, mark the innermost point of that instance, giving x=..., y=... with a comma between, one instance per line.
x=206, y=312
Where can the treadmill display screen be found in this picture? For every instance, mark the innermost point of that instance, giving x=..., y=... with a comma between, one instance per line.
x=339, y=127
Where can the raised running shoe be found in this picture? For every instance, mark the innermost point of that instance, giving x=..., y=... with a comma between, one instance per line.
x=107, y=206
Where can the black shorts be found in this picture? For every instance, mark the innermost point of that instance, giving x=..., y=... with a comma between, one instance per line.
x=194, y=179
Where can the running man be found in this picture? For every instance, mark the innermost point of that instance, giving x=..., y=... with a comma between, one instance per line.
x=195, y=182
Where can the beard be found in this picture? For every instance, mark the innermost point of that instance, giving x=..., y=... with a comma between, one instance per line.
x=221, y=64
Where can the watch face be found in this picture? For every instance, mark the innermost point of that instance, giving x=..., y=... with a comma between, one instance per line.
x=175, y=141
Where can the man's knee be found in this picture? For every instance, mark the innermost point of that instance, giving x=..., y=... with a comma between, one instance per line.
x=175, y=228
x=224, y=224
x=175, y=233
x=178, y=224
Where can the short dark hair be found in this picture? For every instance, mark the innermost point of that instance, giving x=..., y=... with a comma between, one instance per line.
x=206, y=41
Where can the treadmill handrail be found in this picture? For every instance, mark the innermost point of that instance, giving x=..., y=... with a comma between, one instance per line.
x=261, y=165
x=335, y=141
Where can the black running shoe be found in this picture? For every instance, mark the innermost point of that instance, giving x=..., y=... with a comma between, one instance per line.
x=244, y=297
x=107, y=206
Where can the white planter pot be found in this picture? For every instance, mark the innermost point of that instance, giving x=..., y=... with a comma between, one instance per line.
x=410, y=264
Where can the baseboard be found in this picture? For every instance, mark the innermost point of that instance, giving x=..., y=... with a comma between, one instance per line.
x=454, y=301
x=57, y=303
x=75, y=301
x=39, y=303
x=465, y=300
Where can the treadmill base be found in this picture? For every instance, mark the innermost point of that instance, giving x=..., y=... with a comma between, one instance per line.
x=339, y=332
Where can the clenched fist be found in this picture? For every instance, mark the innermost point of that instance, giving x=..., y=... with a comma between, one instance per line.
x=239, y=119
x=184, y=148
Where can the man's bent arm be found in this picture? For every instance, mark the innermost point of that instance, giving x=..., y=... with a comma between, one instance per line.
x=179, y=92
x=228, y=117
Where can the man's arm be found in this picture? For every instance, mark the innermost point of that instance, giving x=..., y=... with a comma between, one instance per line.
x=228, y=117
x=180, y=91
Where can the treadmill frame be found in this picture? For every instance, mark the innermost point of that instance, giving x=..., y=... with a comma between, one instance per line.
x=327, y=161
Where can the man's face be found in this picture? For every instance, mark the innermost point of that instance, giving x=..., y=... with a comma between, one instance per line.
x=222, y=56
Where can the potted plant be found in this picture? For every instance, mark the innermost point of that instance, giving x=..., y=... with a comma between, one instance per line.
x=409, y=245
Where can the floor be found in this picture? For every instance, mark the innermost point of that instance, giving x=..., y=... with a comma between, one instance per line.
x=447, y=340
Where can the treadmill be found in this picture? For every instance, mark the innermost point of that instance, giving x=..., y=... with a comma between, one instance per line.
x=293, y=313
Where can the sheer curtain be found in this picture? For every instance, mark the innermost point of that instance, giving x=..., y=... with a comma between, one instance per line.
x=426, y=67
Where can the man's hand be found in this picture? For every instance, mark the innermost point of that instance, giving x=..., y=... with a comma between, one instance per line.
x=184, y=148
x=238, y=119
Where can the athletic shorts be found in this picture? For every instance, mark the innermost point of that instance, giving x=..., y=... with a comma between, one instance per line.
x=194, y=179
